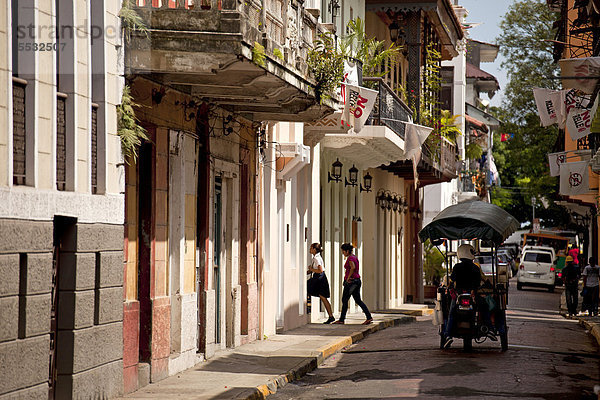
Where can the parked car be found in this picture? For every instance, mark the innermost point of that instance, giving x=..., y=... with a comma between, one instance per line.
x=537, y=268
x=507, y=258
x=485, y=262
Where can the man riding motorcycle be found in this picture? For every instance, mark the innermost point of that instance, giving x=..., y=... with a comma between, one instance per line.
x=466, y=277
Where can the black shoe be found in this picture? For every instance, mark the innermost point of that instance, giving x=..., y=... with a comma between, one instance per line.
x=329, y=320
x=448, y=342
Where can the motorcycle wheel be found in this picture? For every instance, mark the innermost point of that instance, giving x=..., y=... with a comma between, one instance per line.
x=504, y=341
x=468, y=343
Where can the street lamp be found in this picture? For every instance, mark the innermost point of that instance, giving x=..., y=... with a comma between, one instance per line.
x=334, y=9
x=368, y=179
x=336, y=172
x=353, y=177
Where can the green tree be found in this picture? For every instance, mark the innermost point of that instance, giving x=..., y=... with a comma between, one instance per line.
x=527, y=49
x=522, y=161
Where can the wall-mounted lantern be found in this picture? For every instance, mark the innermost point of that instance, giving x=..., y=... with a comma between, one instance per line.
x=397, y=34
x=353, y=177
x=389, y=201
x=395, y=203
x=334, y=9
x=368, y=180
x=380, y=199
x=404, y=206
x=336, y=172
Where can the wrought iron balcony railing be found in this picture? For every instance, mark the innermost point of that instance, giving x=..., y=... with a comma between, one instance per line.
x=389, y=110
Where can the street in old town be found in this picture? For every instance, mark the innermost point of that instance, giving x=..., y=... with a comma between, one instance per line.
x=549, y=358
x=241, y=199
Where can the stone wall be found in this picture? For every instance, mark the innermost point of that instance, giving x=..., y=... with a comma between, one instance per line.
x=89, y=280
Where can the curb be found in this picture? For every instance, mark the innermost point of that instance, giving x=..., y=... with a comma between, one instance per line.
x=593, y=328
x=311, y=363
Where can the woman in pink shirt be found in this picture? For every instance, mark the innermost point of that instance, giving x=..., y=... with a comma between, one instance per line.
x=352, y=285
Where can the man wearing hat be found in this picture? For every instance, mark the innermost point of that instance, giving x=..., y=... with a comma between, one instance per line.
x=466, y=277
x=570, y=276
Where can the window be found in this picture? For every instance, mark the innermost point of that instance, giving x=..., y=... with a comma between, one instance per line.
x=94, y=148
x=61, y=141
x=19, y=142
x=447, y=93
x=538, y=257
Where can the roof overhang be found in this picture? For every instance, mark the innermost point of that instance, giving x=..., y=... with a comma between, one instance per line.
x=482, y=116
x=441, y=14
x=372, y=147
x=331, y=124
x=487, y=51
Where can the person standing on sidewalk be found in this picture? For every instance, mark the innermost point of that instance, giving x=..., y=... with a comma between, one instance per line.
x=352, y=285
x=590, y=287
x=318, y=285
x=570, y=276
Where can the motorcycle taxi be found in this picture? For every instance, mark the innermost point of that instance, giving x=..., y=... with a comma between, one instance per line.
x=481, y=316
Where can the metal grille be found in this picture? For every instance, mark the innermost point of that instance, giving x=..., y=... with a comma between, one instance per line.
x=389, y=109
x=61, y=148
x=575, y=31
x=94, y=149
x=19, y=142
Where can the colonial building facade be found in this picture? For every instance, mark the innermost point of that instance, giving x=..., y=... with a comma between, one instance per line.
x=61, y=190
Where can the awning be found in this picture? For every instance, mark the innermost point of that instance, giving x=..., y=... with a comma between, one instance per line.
x=471, y=220
x=478, y=124
x=373, y=146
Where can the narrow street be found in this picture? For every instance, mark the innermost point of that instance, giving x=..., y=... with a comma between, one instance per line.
x=549, y=357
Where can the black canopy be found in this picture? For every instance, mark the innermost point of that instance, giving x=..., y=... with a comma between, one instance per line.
x=471, y=220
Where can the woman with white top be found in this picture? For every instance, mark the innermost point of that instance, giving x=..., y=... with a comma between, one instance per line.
x=318, y=285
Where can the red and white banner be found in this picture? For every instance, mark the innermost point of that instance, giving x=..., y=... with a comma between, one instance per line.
x=359, y=102
x=586, y=68
x=556, y=160
x=579, y=122
x=574, y=178
x=548, y=103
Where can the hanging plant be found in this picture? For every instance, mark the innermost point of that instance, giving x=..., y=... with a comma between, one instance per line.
x=473, y=151
x=131, y=20
x=258, y=54
x=326, y=66
x=128, y=128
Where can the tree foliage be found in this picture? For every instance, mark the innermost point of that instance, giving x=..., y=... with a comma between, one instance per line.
x=326, y=66
x=522, y=160
x=527, y=49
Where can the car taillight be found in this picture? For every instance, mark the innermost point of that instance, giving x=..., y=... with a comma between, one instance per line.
x=560, y=274
x=552, y=269
x=465, y=302
x=521, y=266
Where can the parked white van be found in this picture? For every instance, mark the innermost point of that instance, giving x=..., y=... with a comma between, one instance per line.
x=537, y=267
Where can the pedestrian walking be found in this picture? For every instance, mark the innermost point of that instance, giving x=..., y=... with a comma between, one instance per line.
x=318, y=285
x=352, y=285
x=570, y=276
x=590, y=287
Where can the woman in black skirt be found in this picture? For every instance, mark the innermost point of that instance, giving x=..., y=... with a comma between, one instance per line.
x=318, y=285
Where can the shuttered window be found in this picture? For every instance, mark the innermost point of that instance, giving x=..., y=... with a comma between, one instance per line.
x=94, y=148
x=19, y=142
x=61, y=141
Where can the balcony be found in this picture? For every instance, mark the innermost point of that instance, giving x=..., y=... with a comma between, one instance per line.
x=208, y=52
x=381, y=140
x=389, y=110
x=438, y=163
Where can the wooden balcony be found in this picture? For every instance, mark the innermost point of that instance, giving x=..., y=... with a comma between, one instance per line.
x=210, y=51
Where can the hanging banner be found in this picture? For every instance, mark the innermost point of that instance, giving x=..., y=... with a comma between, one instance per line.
x=556, y=160
x=548, y=105
x=586, y=68
x=415, y=137
x=579, y=122
x=359, y=102
x=574, y=178
x=350, y=77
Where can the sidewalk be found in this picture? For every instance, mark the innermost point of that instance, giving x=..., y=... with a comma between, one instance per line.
x=591, y=324
x=255, y=370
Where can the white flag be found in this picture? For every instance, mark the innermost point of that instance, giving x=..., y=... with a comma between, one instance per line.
x=547, y=102
x=358, y=104
x=579, y=121
x=556, y=160
x=574, y=178
x=580, y=67
x=415, y=137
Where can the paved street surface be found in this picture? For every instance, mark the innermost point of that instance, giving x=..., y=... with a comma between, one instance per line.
x=549, y=357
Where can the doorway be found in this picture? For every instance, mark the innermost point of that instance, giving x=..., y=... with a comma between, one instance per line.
x=217, y=261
